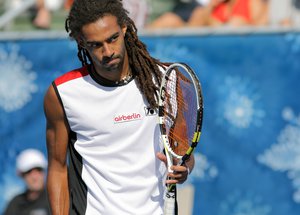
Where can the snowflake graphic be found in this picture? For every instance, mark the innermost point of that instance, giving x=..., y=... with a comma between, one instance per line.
x=238, y=203
x=167, y=54
x=204, y=170
x=284, y=156
x=294, y=42
x=239, y=107
x=16, y=80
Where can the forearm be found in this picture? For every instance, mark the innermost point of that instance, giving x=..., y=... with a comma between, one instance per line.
x=58, y=192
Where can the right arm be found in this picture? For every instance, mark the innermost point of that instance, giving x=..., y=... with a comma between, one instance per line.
x=57, y=133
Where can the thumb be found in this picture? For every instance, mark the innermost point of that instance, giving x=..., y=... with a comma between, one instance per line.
x=161, y=157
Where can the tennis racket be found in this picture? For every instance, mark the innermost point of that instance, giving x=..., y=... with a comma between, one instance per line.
x=180, y=115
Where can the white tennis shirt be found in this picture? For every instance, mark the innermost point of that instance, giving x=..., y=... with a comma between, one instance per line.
x=114, y=139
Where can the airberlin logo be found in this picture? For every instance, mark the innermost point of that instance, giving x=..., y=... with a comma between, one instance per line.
x=127, y=117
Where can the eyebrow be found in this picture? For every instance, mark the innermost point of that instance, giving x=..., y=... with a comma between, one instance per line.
x=97, y=43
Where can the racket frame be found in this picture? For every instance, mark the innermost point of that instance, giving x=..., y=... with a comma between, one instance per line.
x=170, y=201
x=199, y=102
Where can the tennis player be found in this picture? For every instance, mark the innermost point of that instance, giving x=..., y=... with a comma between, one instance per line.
x=104, y=117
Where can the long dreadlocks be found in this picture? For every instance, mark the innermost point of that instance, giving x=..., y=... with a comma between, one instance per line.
x=143, y=66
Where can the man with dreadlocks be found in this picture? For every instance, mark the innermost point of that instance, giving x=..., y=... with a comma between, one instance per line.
x=103, y=116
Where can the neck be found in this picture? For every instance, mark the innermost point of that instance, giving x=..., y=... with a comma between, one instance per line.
x=33, y=195
x=126, y=70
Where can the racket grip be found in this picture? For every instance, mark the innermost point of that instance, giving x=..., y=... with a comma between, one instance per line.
x=170, y=202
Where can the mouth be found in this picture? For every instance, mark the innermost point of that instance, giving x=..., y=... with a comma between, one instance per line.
x=111, y=62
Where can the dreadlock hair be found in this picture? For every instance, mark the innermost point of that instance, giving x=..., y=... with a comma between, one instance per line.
x=144, y=67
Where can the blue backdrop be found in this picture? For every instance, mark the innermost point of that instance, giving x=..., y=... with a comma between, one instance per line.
x=248, y=161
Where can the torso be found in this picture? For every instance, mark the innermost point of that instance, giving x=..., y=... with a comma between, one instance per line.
x=115, y=138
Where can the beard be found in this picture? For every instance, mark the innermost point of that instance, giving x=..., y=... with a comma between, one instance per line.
x=109, y=65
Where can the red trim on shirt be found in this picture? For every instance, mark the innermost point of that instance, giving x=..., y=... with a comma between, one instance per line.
x=77, y=73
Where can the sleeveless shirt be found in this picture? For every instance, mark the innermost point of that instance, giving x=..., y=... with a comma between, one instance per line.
x=113, y=143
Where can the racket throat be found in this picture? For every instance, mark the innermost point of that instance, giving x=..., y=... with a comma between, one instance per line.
x=169, y=161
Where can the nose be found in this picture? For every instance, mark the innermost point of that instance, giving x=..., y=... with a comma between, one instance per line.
x=107, y=50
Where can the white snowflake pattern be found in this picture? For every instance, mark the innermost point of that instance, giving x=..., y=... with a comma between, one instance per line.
x=238, y=203
x=167, y=54
x=239, y=102
x=294, y=41
x=284, y=156
x=204, y=170
x=16, y=80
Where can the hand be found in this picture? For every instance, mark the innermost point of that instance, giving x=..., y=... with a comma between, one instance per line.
x=179, y=174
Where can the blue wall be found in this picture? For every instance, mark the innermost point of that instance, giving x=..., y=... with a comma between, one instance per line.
x=248, y=160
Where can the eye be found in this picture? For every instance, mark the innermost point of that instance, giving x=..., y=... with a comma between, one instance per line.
x=113, y=38
x=94, y=44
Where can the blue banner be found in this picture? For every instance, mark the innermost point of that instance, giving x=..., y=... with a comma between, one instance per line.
x=248, y=159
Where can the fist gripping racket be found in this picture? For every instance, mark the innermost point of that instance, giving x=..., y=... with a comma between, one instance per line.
x=180, y=117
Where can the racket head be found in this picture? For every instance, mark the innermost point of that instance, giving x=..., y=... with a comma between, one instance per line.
x=180, y=110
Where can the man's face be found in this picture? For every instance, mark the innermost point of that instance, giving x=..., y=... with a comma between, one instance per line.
x=104, y=41
x=34, y=179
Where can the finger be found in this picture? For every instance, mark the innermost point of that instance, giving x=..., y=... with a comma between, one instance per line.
x=178, y=176
x=179, y=180
x=179, y=169
x=172, y=181
x=161, y=157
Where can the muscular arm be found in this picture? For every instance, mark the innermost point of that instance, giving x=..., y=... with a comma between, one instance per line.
x=57, y=140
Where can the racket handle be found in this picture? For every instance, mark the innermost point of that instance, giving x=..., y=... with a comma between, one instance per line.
x=170, y=202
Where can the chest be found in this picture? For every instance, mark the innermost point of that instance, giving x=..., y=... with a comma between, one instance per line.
x=92, y=108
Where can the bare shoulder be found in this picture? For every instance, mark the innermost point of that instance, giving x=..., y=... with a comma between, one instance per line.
x=52, y=106
x=50, y=94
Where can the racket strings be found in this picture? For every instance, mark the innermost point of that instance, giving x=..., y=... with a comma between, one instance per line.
x=180, y=112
